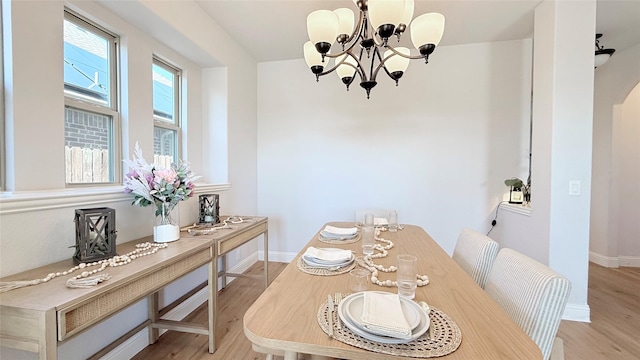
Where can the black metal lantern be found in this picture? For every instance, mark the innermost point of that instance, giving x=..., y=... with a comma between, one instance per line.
x=95, y=234
x=209, y=209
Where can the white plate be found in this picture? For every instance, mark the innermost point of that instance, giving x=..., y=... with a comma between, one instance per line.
x=326, y=265
x=350, y=311
x=352, y=231
x=327, y=262
x=332, y=236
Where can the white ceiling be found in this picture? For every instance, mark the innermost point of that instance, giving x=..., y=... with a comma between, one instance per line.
x=276, y=29
x=272, y=30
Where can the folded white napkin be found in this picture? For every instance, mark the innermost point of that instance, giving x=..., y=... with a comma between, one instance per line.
x=382, y=314
x=340, y=231
x=329, y=254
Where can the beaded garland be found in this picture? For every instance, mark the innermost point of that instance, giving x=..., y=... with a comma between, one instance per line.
x=80, y=280
x=367, y=263
x=196, y=230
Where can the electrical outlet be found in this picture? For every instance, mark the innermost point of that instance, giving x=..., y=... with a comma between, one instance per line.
x=574, y=188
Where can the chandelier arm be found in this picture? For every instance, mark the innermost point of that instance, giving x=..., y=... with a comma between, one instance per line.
x=414, y=57
x=357, y=29
x=363, y=76
x=381, y=65
x=358, y=68
x=373, y=73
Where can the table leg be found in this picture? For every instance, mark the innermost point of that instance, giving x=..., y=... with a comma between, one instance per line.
x=152, y=305
x=48, y=347
x=266, y=259
x=213, y=299
x=290, y=355
x=224, y=271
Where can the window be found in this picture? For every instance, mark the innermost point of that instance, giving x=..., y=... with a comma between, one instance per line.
x=92, y=121
x=3, y=143
x=166, y=113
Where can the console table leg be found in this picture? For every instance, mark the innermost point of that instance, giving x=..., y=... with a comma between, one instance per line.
x=266, y=259
x=152, y=305
x=224, y=271
x=48, y=349
x=213, y=302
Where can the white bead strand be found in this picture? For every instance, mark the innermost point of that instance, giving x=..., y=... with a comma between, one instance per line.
x=367, y=263
x=142, y=249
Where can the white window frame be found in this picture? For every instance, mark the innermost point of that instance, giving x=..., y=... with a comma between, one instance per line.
x=3, y=150
x=177, y=106
x=111, y=109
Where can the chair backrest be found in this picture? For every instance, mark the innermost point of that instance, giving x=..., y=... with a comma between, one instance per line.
x=532, y=294
x=475, y=253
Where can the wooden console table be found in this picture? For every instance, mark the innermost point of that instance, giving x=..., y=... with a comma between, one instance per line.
x=35, y=318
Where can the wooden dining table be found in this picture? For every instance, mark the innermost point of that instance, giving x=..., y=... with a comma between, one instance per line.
x=283, y=319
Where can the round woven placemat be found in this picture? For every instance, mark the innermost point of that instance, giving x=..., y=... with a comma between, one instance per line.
x=302, y=266
x=446, y=336
x=331, y=241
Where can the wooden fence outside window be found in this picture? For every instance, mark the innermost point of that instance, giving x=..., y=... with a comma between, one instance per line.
x=86, y=165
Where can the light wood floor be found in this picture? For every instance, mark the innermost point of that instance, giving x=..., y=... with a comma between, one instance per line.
x=614, y=331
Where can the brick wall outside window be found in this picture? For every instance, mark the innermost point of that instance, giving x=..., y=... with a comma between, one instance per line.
x=86, y=130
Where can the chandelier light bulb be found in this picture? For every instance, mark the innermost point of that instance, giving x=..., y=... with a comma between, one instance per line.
x=395, y=64
x=346, y=72
x=426, y=32
x=407, y=14
x=345, y=24
x=322, y=28
x=313, y=58
x=385, y=15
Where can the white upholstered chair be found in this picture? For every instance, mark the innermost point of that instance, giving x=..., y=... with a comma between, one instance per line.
x=475, y=253
x=532, y=294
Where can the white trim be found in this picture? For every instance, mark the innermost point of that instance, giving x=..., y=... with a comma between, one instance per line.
x=278, y=256
x=26, y=201
x=629, y=261
x=603, y=260
x=130, y=347
x=140, y=340
x=614, y=261
x=516, y=208
x=577, y=312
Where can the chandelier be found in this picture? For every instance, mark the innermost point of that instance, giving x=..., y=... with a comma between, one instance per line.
x=364, y=48
x=602, y=54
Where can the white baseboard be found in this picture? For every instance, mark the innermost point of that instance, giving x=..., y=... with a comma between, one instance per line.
x=140, y=340
x=630, y=261
x=577, y=312
x=130, y=347
x=614, y=261
x=603, y=260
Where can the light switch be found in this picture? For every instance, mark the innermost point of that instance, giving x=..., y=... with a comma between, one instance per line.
x=574, y=188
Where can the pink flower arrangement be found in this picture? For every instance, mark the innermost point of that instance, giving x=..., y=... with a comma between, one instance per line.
x=158, y=186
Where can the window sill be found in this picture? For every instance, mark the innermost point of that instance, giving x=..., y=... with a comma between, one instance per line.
x=26, y=201
x=516, y=208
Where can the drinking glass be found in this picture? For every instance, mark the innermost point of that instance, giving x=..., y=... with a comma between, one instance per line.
x=368, y=220
x=367, y=240
x=358, y=279
x=406, y=276
x=393, y=221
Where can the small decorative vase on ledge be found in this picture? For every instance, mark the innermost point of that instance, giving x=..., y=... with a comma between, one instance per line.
x=167, y=220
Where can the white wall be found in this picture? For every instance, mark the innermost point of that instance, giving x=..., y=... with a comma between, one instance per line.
x=556, y=231
x=437, y=148
x=36, y=216
x=614, y=82
x=626, y=150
